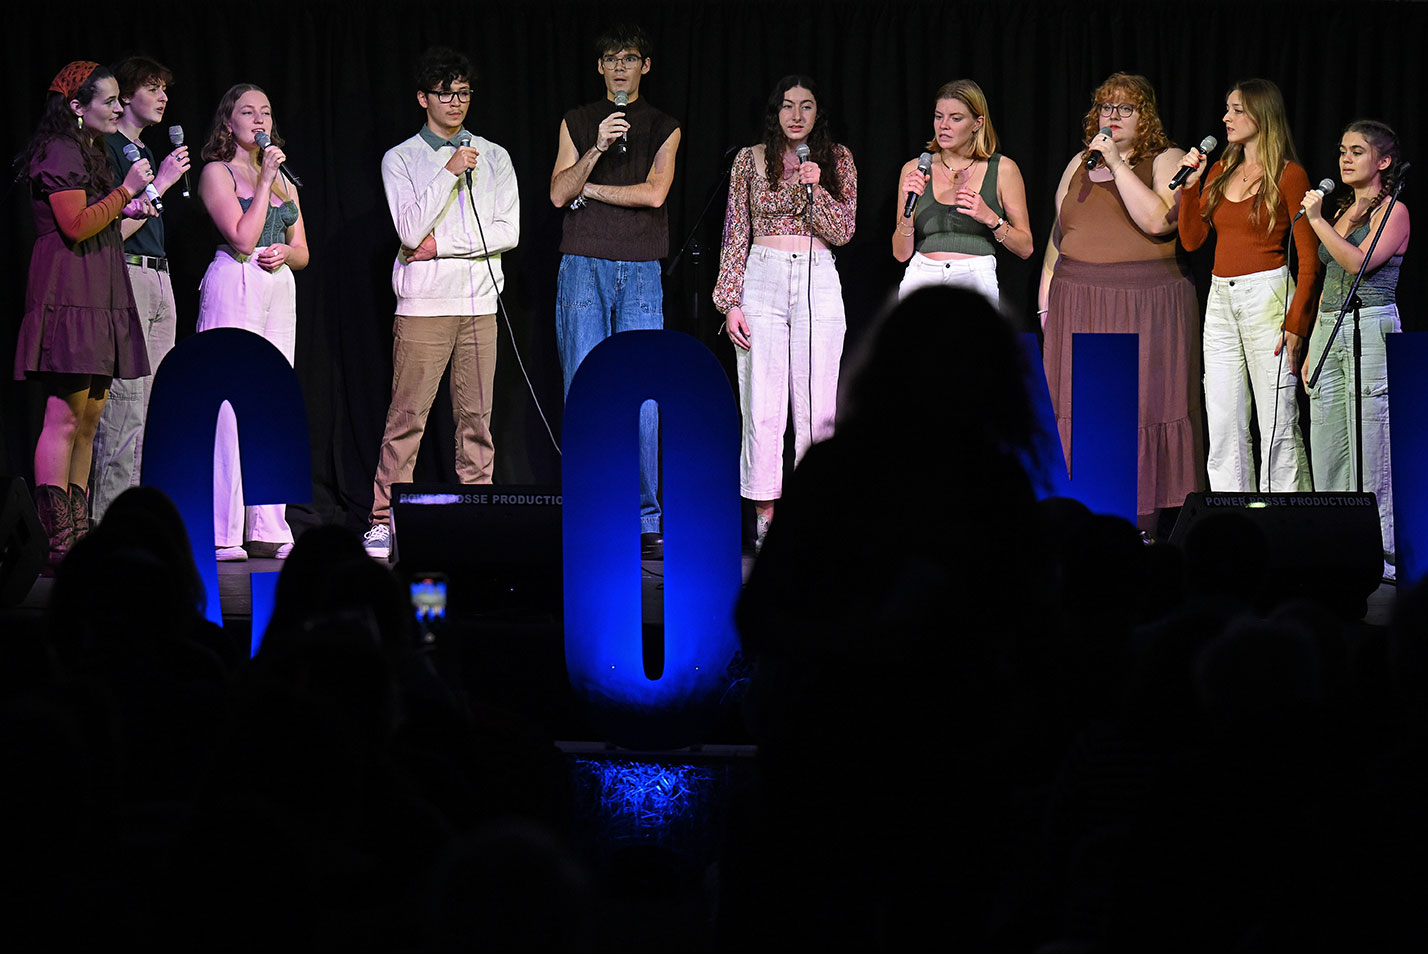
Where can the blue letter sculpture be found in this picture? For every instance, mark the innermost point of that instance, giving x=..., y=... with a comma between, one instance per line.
x=1408, y=452
x=195, y=378
x=601, y=489
x=1105, y=424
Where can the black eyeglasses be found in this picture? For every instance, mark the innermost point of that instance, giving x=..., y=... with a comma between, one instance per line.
x=629, y=60
x=1122, y=110
x=446, y=96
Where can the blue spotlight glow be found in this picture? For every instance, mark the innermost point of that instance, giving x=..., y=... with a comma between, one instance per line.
x=648, y=801
x=604, y=643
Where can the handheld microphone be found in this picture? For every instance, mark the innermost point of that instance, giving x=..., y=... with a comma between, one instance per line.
x=622, y=146
x=264, y=141
x=924, y=166
x=802, y=152
x=176, y=139
x=1095, y=158
x=131, y=152
x=1206, y=144
x=1324, y=187
x=464, y=140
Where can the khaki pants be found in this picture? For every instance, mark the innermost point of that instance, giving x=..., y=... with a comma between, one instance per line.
x=421, y=347
x=119, y=440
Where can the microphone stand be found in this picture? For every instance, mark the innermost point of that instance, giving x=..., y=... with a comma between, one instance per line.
x=695, y=248
x=1352, y=301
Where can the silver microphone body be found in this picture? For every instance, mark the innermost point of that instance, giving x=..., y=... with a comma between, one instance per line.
x=1324, y=187
x=176, y=140
x=264, y=141
x=131, y=152
x=622, y=145
x=1206, y=145
x=463, y=140
x=1095, y=157
x=801, y=150
x=924, y=166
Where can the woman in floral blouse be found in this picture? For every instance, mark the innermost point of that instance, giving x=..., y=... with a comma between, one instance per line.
x=778, y=287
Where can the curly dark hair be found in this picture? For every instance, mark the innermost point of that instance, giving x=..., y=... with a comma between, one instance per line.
x=138, y=69
x=441, y=66
x=820, y=142
x=58, y=121
x=623, y=36
x=1150, y=139
x=1385, y=143
x=220, y=146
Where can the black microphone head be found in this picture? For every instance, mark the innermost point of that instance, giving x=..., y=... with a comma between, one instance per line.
x=262, y=139
x=801, y=150
x=622, y=99
x=1208, y=144
x=1403, y=168
x=924, y=163
x=1094, y=159
x=131, y=152
x=176, y=136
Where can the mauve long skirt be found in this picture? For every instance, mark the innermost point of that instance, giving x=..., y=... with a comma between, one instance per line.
x=1156, y=300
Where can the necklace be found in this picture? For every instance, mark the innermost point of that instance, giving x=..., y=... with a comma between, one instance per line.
x=958, y=176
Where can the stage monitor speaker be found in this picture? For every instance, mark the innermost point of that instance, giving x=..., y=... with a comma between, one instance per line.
x=1322, y=546
x=23, y=543
x=499, y=545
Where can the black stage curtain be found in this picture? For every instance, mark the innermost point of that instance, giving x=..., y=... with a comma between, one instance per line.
x=339, y=76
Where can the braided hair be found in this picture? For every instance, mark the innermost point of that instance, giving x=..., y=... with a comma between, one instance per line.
x=1384, y=141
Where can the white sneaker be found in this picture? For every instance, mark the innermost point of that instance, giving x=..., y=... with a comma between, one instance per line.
x=282, y=552
x=230, y=554
x=377, y=541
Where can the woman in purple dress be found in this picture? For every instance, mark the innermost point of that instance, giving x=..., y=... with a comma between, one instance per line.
x=80, y=328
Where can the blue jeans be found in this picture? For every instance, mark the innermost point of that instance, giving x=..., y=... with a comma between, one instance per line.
x=596, y=298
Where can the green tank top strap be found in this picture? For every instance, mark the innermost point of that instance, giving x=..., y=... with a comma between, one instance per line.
x=945, y=228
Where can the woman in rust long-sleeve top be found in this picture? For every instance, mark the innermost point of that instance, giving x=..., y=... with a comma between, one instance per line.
x=1256, y=316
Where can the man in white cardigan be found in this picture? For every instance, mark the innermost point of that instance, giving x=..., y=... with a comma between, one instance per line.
x=446, y=277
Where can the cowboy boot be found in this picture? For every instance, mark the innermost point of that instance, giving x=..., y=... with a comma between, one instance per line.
x=79, y=511
x=53, y=507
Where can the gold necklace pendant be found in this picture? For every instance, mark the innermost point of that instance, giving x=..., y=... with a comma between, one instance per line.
x=958, y=176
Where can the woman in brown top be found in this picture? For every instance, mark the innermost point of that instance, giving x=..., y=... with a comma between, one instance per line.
x=1111, y=266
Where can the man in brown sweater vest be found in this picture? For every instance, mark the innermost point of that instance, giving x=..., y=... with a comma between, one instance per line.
x=613, y=171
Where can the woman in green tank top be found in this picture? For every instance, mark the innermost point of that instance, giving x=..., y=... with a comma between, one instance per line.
x=948, y=234
x=1370, y=163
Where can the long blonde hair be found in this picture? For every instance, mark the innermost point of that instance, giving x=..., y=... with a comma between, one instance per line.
x=984, y=140
x=1265, y=105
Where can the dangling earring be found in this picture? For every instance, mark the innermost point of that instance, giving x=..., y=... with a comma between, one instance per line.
x=81, y=122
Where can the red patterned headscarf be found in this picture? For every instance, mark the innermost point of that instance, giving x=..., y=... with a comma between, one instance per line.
x=68, y=80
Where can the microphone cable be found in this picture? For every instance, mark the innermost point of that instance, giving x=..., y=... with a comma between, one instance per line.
x=1279, y=367
x=510, y=329
x=809, y=295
